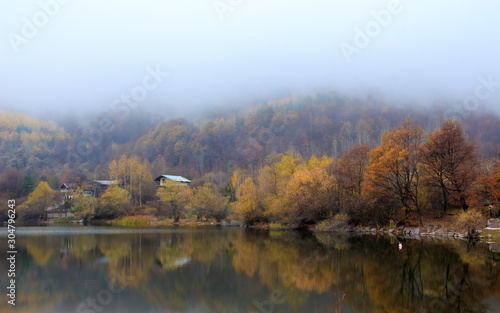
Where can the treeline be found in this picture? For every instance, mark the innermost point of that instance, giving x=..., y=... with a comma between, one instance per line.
x=309, y=126
x=132, y=193
x=320, y=125
x=409, y=174
x=27, y=143
x=332, y=148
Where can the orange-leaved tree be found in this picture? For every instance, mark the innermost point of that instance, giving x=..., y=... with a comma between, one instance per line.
x=350, y=170
x=496, y=184
x=349, y=176
x=310, y=197
x=450, y=162
x=489, y=188
x=392, y=171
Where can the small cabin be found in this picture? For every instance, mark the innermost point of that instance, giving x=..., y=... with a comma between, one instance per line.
x=64, y=188
x=168, y=180
x=67, y=189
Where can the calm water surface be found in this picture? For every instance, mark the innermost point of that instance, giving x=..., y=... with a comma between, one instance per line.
x=209, y=269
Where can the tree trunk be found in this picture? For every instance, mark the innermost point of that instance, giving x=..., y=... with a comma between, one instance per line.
x=420, y=217
x=176, y=213
x=445, y=199
x=464, y=204
x=407, y=215
x=140, y=190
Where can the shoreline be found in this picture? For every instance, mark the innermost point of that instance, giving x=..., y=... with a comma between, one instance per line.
x=417, y=233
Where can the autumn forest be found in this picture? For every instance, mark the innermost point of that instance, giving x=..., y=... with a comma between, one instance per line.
x=297, y=162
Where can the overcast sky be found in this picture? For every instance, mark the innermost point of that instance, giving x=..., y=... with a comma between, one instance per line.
x=85, y=54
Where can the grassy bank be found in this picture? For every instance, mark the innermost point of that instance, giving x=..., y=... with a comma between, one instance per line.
x=139, y=220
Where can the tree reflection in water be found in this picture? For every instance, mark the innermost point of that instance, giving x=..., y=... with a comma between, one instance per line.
x=230, y=270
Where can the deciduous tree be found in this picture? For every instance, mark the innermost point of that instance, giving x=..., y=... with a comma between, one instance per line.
x=247, y=207
x=392, y=171
x=209, y=202
x=176, y=197
x=450, y=161
x=309, y=193
x=114, y=202
x=133, y=176
x=351, y=168
x=83, y=205
x=11, y=182
x=38, y=202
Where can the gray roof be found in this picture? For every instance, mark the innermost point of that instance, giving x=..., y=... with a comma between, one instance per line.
x=174, y=178
x=106, y=182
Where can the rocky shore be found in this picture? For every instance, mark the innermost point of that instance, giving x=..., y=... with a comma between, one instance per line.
x=418, y=232
x=429, y=231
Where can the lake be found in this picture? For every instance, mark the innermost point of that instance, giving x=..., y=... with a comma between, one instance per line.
x=212, y=269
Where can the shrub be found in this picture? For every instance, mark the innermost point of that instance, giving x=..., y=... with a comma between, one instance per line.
x=140, y=220
x=114, y=202
x=471, y=220
x=277, y=226
x=337, y=223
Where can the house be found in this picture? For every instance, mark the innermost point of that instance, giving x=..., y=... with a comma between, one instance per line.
x=67, y=189
x=168, y=180
x=64, y=189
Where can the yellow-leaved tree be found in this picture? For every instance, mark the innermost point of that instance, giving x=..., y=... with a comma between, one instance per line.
x=246, y=206
x=177, y=198
x=39, y=201
x=114, y=202
x=273, y=181
x=310, y=196
x=210, y=202
x=83, y=205
x=134, y=177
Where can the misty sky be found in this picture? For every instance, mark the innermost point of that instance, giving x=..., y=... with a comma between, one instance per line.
x=90, y=52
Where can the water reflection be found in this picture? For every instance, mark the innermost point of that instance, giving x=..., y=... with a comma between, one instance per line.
x=236, y=270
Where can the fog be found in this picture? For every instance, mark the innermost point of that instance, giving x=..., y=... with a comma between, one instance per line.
x=84, y=55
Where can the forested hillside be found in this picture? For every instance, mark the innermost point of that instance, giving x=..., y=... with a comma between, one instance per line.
x=310, y=126
x=322, y=125
x=262, y=151
x=27, y=142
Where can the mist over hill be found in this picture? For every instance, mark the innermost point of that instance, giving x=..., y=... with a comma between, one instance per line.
x=316, y=125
